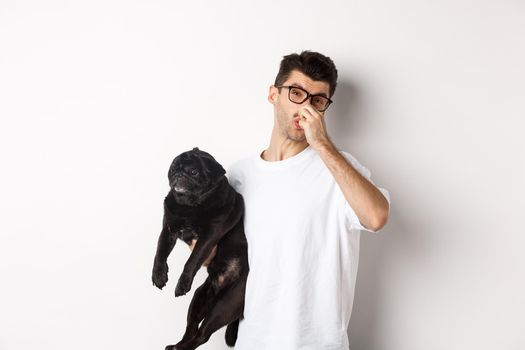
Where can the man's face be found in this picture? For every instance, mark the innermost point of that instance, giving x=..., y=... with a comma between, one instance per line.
x=287, y=112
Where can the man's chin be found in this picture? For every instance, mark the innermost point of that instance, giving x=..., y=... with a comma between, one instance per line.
x=297, y=135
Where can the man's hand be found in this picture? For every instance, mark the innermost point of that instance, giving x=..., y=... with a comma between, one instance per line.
x=314, y=127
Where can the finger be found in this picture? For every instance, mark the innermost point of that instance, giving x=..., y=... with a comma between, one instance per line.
x=313, y=112
x=305, y=112
x=305, y=118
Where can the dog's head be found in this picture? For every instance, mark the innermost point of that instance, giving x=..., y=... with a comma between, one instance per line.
x=193, y=175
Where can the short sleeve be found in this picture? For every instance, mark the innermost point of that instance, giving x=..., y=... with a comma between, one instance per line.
x=350, y=216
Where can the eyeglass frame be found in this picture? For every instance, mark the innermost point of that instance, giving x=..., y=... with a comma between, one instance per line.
x=308, y=96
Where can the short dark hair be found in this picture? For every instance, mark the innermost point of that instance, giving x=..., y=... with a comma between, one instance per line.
x=316, y=66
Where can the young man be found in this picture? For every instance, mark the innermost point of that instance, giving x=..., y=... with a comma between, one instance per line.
x=305, y=204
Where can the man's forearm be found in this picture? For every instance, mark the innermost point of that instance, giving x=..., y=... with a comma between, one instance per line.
x=369, y=204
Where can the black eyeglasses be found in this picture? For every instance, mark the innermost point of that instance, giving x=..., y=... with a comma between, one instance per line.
x=298, y=95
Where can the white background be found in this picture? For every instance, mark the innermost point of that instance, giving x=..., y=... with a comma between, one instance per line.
x=96, y=99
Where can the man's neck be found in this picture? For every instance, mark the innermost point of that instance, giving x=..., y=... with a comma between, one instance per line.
x=281, y=148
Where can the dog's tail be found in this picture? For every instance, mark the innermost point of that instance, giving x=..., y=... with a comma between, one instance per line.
x=231, y=333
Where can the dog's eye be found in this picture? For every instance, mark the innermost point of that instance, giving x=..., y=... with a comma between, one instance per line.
x=194, y=172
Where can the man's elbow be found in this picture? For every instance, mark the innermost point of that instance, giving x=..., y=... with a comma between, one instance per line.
x=381, y=219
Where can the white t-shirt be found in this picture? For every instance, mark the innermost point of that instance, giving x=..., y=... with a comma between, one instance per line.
x=303, y=250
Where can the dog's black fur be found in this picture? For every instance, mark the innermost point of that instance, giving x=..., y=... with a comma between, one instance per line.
x=201, y=205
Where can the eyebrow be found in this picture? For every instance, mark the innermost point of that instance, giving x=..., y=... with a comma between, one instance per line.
x=322, y=93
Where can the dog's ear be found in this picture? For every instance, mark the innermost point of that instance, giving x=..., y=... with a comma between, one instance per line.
x=215, y=169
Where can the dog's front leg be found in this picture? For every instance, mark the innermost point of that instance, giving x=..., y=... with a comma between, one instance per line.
x=165, y=245
x=200, y=253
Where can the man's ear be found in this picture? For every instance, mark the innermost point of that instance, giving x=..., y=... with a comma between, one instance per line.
x=272, y=94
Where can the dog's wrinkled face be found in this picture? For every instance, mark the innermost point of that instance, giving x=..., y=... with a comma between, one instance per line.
x=192, y=175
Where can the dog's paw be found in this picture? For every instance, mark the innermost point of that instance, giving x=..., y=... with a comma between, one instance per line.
x=183, y=286
x=160, y=275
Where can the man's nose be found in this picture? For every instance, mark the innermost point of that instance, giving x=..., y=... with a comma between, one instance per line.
x=308, y=101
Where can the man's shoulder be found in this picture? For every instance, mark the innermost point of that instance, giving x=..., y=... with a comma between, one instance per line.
x=364, y=171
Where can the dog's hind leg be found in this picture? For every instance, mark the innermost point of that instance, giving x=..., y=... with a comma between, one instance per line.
x=200, y=304
x=228, y=308
x=231, y=333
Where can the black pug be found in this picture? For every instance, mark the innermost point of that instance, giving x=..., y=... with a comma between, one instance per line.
x=204, y=210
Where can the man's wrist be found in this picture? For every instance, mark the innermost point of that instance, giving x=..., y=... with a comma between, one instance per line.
x=326, y=147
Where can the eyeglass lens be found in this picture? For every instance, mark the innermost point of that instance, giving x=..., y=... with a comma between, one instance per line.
x=299, y=96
